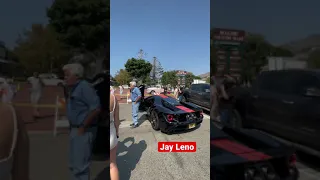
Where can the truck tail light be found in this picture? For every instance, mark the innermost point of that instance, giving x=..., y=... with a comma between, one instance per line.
x=292, y=159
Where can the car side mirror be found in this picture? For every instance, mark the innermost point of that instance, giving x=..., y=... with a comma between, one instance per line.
x=312, y=92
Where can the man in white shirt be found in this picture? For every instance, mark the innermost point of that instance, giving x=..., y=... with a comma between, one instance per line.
x=6, y=91
x=35, y=92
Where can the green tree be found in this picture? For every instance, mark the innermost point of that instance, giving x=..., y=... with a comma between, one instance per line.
x=148, y=81
x=138, y=68
x=281, y=52
x=208, y=80
x=83, y=25
x=39, y=50
x=314, y=59
x=189, y=79
x=169, y=77
x=122, y=77
x=257, y=49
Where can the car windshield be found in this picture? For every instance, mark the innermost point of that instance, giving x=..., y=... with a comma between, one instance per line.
x=171, y=101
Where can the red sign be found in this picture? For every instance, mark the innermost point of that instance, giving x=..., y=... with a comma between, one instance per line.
x=228, y=35
x=177, y=146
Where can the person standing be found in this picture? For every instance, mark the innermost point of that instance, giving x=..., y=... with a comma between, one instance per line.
x=135, y=96
x=83, y=107
x=114, y=135
x=180, y=93
x=6, y=91
x=214, y=100
x=121, y=89
x=175, y=92
x=35, y=92
x=14, y=145
x=225, y=99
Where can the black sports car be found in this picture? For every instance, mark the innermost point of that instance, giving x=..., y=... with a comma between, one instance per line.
x=238, y=154
x=169, y=115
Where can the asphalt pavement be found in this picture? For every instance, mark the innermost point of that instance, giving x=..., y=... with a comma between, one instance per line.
x=137, y=154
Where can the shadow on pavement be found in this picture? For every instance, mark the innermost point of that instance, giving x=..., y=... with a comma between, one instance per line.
x=142, y=119
x=127, y=158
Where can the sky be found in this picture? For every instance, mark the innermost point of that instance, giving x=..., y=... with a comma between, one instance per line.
x=177, y=32
x=280, y=21
x=17, y=15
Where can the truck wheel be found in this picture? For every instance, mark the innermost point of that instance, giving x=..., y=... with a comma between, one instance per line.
x=235, y=120
x=152, y=93
x=183, y=99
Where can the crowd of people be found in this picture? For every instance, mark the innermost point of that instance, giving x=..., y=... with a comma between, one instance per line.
x=84, y=111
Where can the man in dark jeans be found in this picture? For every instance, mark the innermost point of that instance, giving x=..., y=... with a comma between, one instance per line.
x=226, y=99
x=180, y=92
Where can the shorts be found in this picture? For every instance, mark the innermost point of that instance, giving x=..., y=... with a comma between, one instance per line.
x=35, y=97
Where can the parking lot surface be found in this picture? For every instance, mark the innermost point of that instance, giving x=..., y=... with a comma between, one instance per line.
x=137, y=154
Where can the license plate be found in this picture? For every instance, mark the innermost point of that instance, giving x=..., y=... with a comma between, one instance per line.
x=192, y=125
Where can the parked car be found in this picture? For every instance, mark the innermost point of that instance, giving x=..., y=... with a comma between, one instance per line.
x=284, y=103
x=198, y=94
x=169, y=115
x=239, y=154
x=125, y=86
x=50, y=79
x=155, y=90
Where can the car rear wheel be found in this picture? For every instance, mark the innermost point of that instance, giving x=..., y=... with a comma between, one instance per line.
x=154, y=120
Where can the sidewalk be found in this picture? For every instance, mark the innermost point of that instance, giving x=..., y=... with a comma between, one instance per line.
x=138, y=157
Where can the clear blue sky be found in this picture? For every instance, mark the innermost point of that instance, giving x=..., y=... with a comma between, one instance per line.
x=280, y=21
x=177, y=32
x=17, y=15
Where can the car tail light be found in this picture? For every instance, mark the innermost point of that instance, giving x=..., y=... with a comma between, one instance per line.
x=293, y=159
x=170, y=117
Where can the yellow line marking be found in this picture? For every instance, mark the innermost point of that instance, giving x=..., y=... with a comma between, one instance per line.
x=39, y=105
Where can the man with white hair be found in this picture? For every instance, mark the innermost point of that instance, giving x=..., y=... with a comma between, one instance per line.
x=135, y=99
x=83, y=107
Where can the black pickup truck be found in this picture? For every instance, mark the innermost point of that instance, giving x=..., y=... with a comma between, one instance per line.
x=284, y=103
x=198, y=94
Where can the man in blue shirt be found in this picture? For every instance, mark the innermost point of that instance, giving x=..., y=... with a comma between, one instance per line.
x=135, y=96
x=83, y=106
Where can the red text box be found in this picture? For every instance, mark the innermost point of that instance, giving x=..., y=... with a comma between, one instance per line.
x=177, y=146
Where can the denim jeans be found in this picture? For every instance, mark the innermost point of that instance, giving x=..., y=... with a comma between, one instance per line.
x=80, y=153
x=225, y=117
x=135, y=111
